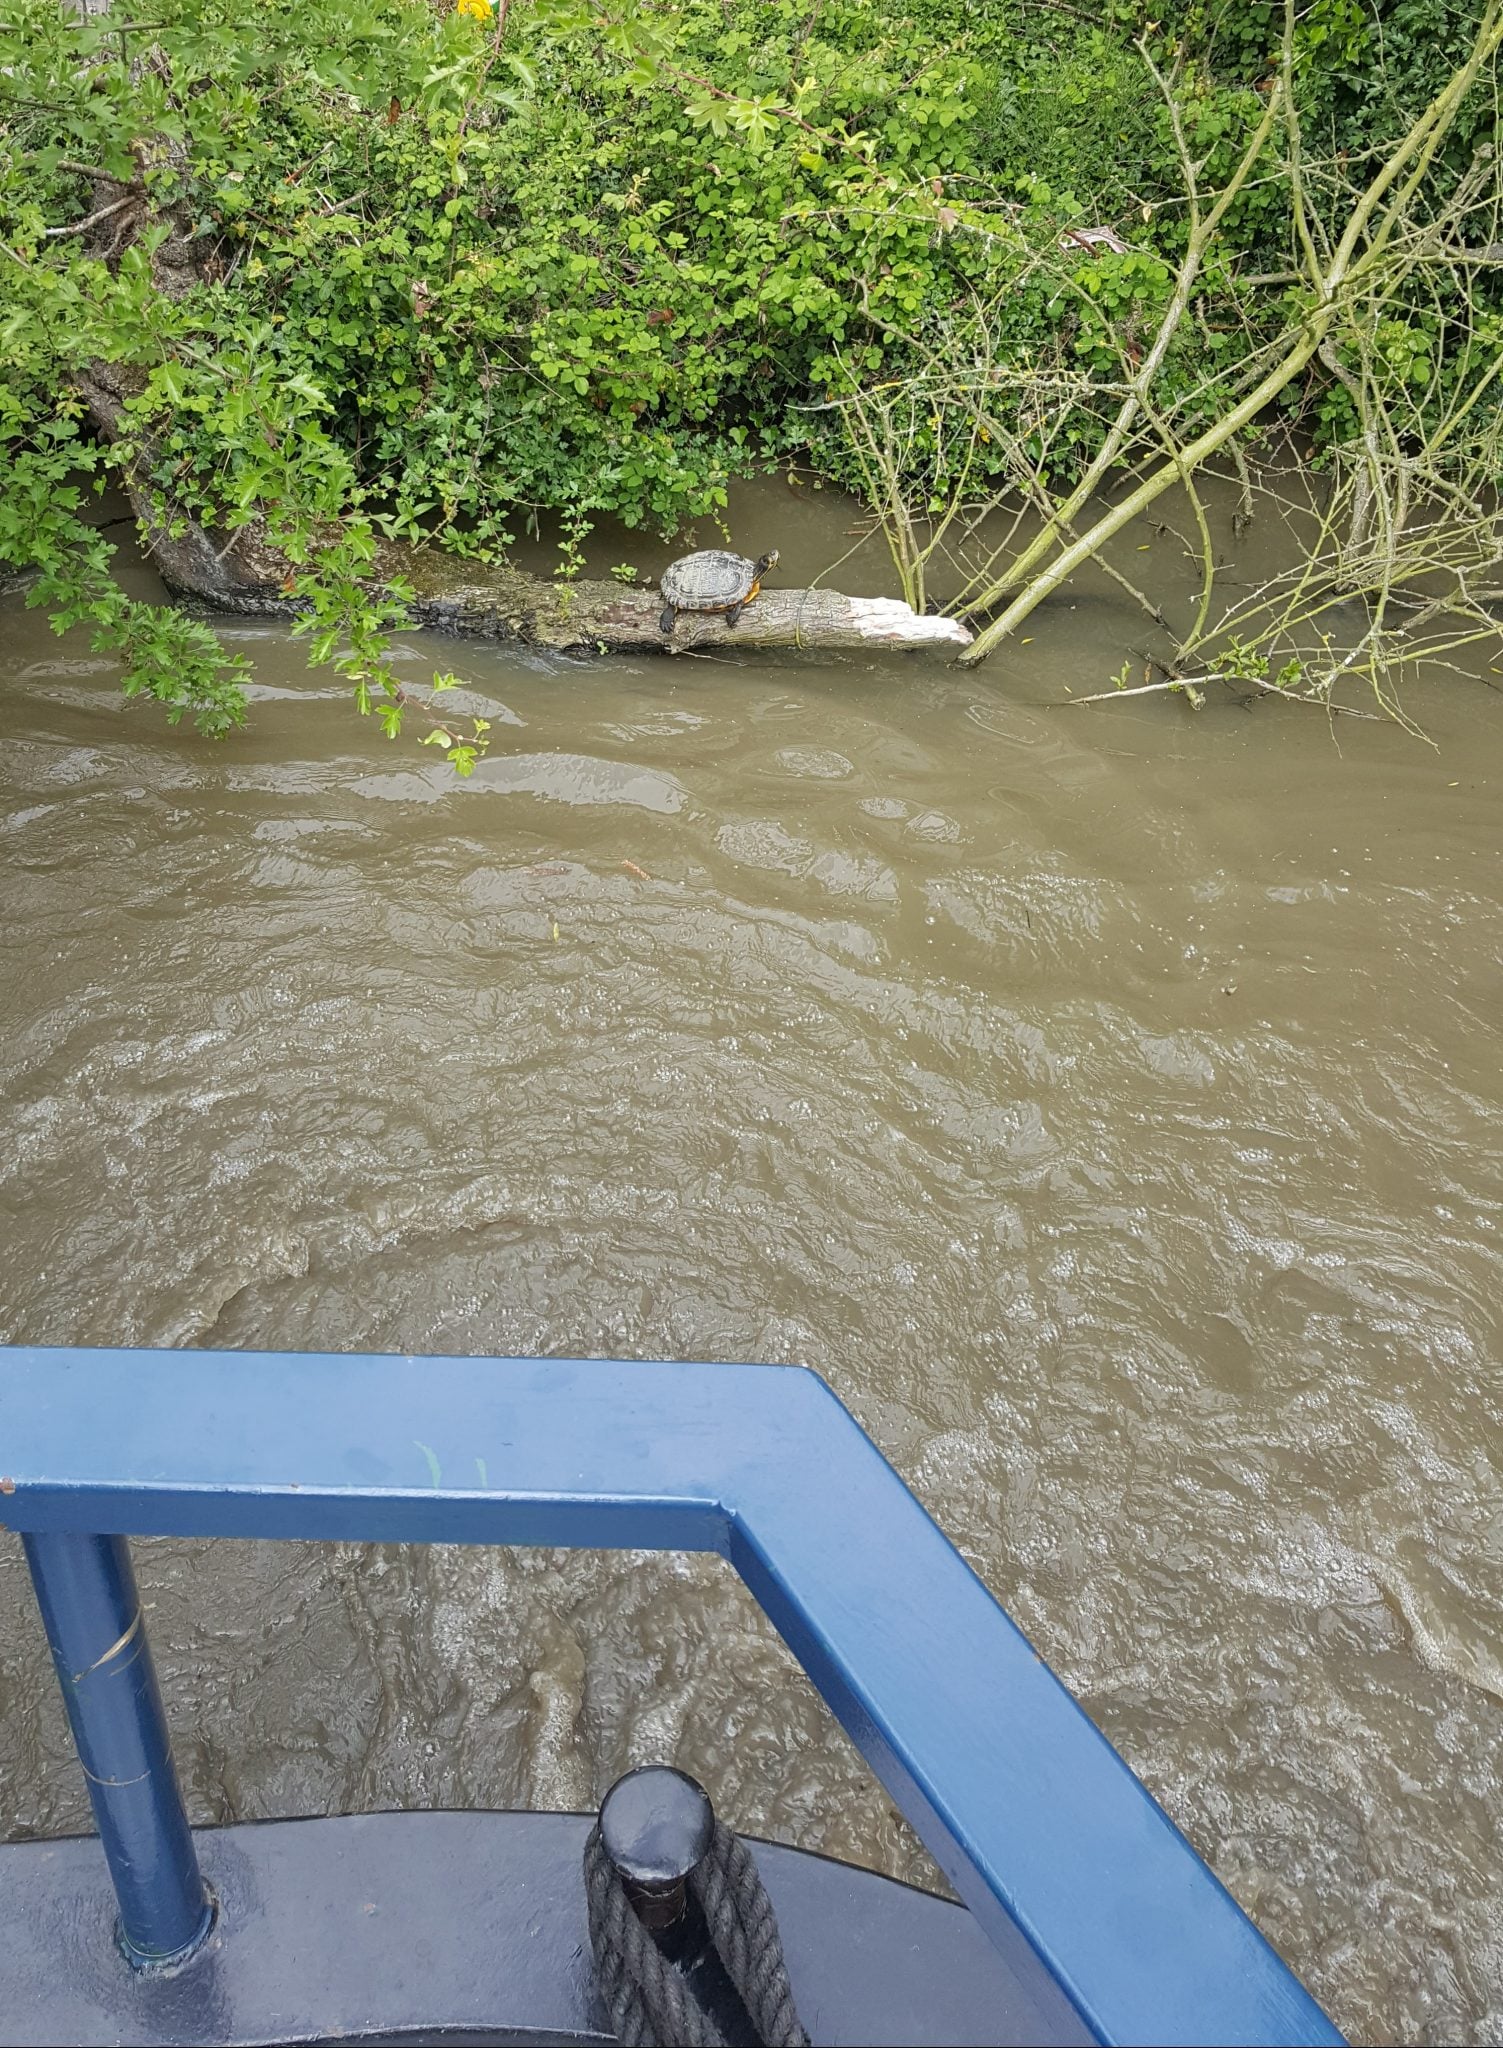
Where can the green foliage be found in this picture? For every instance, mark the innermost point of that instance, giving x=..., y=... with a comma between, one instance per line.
x=162, y=653
x=1366, y=67
x=607, y=299
x=446, y=281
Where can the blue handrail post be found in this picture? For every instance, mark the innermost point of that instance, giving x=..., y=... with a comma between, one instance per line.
x=91, y=1609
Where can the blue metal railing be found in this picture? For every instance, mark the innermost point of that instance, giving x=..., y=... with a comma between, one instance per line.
x=1061, y=1854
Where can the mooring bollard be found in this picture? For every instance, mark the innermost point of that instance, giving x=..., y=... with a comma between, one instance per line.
x=91, y=1609
x=705, y=1962
x=656, y=1824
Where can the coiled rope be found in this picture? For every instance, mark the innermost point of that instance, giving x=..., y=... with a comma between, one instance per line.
x=650, y=2002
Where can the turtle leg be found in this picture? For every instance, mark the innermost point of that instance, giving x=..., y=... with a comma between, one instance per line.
x=735, y=612
x=665, y=622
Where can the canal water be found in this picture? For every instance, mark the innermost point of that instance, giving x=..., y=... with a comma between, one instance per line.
x=1104, y=1099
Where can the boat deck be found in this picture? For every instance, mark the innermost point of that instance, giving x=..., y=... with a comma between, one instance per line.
x=465, y=1927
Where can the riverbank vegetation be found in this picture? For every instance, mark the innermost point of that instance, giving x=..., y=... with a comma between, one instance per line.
x=310, y=277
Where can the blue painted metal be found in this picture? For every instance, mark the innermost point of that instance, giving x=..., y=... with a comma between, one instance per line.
x=91, y=1610
x=1068, y=1864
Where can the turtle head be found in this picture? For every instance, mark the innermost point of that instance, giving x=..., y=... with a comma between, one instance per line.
x=767, y=561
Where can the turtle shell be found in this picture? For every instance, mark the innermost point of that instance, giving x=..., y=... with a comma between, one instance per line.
x=711, y=581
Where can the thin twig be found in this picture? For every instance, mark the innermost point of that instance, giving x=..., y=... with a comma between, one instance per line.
x=81, y=227
x=1148, y=689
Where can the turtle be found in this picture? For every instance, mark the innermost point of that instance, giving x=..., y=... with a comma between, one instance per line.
x=714, y=580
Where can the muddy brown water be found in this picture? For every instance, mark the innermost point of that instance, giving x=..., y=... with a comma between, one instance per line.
x=1104, y=1100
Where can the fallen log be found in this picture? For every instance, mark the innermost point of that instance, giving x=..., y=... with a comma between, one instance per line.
x=493, y=601
x=498, y=603
x=244, y=573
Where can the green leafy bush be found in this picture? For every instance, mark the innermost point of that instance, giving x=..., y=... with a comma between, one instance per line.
x=447, y=271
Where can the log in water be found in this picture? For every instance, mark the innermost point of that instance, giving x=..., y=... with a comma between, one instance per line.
x=242, y=572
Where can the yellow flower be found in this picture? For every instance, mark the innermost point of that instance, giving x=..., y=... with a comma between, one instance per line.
x=477, y=10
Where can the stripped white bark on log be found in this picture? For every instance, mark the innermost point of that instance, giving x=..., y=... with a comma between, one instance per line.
x=889, y=619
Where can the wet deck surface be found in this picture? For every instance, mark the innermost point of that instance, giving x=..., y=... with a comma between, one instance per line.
x=462, y=1926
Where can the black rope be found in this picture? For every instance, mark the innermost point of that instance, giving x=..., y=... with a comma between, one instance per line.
x=651, y=2004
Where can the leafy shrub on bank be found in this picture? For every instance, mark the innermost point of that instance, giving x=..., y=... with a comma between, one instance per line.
x=449, y=269
x=599, y=282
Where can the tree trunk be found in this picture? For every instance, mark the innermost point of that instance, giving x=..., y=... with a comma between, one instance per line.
x=505, y=604
x=452, y=595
